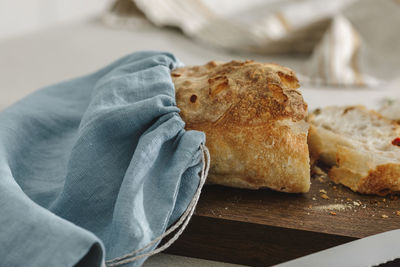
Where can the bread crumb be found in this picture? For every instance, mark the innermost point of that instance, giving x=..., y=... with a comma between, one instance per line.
x=317, y=170
x=384, y=200
x=398, y=212
x=384, y=216
x=332, y=207
x=348, y=199
x=320, y=179
x=334, y=187
x=322, y=191
x=313, y=198
x=356, y=203
x=332, y=213
x=324, y=196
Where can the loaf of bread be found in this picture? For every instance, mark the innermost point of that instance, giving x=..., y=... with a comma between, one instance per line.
x=361, y=146
x=254, y=120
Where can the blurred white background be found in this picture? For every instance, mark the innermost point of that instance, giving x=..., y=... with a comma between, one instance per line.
x=21, y=17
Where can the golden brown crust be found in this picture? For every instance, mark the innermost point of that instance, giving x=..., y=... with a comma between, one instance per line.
x=258, y=92
x=358, y=171
x=383, y=180
x=253, y=117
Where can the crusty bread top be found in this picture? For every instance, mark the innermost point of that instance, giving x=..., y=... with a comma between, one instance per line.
x=244, y=93
x=360, y=129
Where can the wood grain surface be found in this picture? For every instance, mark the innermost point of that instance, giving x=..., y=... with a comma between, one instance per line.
x=264, y=227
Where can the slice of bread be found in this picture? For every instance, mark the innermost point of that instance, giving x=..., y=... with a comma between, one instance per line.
x=361, y=147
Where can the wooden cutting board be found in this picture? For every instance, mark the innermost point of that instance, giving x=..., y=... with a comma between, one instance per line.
x=263, y=227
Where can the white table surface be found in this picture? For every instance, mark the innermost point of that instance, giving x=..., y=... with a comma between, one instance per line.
x=30, y=62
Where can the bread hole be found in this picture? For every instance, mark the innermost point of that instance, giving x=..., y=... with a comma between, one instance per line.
x=362, y=127
x=193, y=98
x=348, y=109
x=327, y=127
x=384, y=191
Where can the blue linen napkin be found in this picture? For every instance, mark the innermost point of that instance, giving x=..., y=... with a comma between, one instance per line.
x=95, y=167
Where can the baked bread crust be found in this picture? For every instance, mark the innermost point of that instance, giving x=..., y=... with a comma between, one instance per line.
x=361, y=167
x=254, y=120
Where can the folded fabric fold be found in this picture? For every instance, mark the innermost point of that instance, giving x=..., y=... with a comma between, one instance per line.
x=352, y=42
x=95, y=167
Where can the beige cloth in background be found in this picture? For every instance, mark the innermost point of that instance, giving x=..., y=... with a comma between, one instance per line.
x=350, y=42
